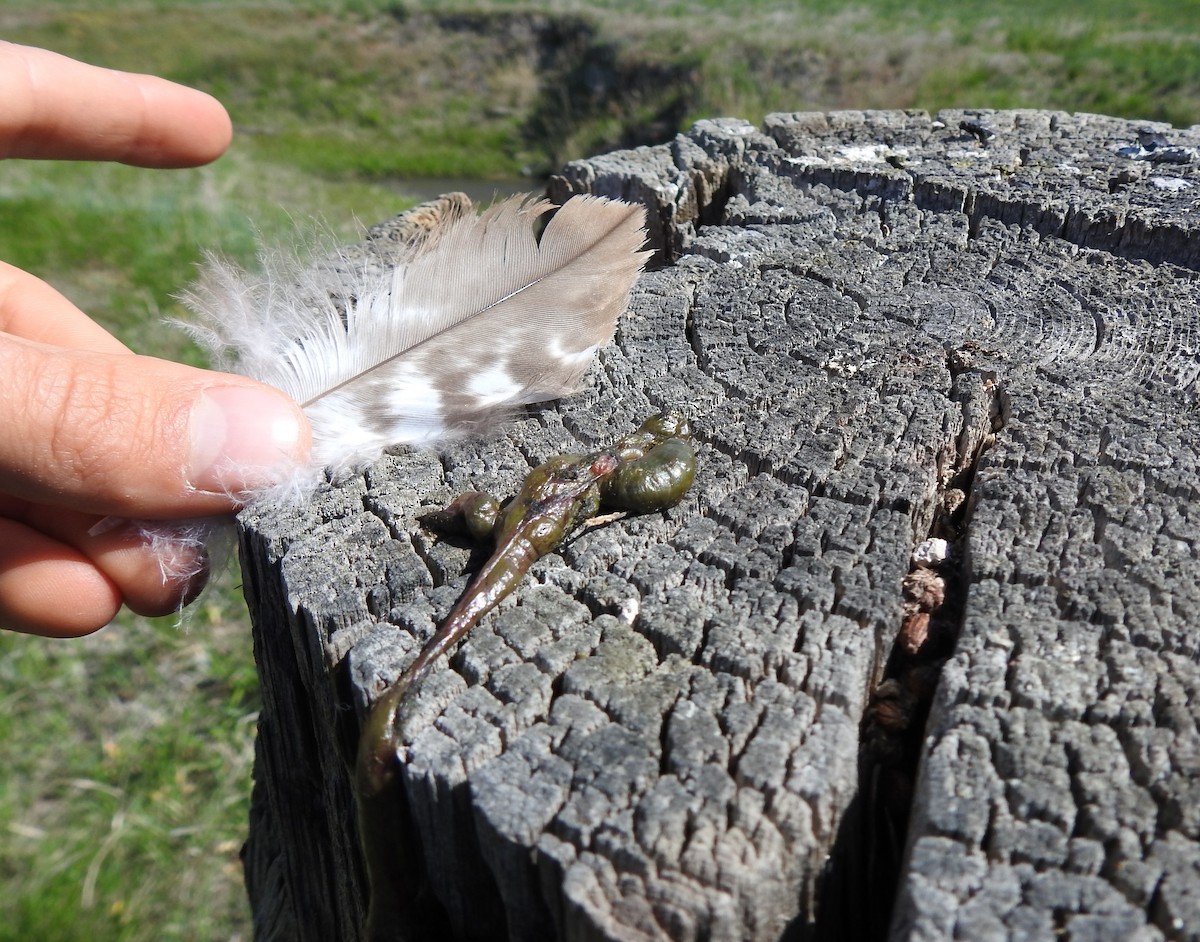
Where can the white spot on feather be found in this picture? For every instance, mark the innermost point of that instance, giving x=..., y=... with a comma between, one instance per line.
x=493, y=386
x=412, y=392
x=575, y=358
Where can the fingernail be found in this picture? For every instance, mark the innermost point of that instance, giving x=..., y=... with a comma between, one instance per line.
x=242, y=438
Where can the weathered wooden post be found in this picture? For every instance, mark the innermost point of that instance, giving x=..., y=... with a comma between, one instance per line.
x=944, y=374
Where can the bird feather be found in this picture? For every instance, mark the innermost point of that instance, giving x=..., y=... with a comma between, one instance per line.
x=470, y=317
x=475, y=317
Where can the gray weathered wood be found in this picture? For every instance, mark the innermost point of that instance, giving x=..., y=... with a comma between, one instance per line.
x=869, y=316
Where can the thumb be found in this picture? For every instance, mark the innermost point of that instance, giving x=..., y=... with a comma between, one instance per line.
x=112, y=433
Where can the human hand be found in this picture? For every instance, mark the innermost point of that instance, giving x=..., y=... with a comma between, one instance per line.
x=87, y=428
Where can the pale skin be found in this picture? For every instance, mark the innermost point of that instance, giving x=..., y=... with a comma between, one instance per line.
x=88, y=429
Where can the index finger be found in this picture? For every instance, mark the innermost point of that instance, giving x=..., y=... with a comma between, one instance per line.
x=58, y=108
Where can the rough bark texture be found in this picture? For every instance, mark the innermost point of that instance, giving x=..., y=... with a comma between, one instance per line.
x=980, y=327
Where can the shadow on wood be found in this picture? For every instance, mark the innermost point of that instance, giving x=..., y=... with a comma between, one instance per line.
x=886, y=328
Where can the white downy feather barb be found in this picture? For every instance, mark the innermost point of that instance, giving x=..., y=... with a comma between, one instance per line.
x=480, y=316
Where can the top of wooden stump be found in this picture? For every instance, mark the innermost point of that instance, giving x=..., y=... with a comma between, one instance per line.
x=886, y=327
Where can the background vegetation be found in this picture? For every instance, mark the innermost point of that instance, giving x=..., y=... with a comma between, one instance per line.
x=127, y=755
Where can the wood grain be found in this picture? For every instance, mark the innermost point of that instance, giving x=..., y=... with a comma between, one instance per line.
x=886, y=327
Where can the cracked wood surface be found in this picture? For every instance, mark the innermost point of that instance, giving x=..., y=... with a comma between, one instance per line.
x=880, y=324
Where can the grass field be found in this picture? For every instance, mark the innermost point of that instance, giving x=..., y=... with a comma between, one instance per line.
x=127, y=755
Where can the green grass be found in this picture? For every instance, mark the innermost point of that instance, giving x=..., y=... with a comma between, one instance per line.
x=122, y=242
x=377, y=89
x=127, y=755
x=1138, y=60
x=127, y=762
x=340, y=94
